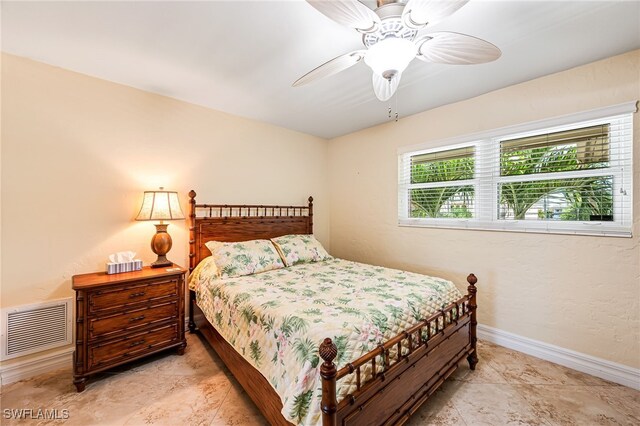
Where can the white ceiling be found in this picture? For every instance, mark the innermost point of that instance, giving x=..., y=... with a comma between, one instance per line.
x=241, y=57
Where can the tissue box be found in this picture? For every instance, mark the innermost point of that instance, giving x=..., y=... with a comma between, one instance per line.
x=116, y=268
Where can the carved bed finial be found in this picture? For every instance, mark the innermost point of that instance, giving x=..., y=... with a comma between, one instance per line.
x=471, y=279
x=192, y=194
x=328, y=350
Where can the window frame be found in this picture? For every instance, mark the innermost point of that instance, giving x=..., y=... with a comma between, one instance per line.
x=404, y=202
x=487, y=155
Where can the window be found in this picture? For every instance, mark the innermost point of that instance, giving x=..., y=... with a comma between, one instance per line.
x=573, y=177
x=442, y=184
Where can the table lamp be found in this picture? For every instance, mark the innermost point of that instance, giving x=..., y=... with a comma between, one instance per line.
x=160, y=205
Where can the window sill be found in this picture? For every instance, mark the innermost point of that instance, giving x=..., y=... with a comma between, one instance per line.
x=520, y=226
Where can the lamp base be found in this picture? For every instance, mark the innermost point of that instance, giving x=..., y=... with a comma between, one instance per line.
x=161, y=262
x=161, y=244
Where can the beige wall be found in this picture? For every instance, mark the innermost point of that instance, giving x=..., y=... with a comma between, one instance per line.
x=77, y=152
x=1, y=61
x=577, y=292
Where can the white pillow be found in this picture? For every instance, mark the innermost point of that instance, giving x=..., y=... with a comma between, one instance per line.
x=296, y=249
x=244, y=258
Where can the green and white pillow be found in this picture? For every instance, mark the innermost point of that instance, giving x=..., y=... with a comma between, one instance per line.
x=296, y=249
x=244, y=258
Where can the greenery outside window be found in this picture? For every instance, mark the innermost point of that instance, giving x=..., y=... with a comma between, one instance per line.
x=579, y=199
x=569, y=178
x=440, y=184
x=581, y=195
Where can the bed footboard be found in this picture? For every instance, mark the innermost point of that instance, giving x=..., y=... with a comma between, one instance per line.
x=403, y=371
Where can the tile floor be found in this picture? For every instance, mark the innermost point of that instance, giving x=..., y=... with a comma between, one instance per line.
x=197, y=389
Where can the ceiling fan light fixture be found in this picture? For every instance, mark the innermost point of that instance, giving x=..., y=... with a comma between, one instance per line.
x=390, y=56
x=391, y=38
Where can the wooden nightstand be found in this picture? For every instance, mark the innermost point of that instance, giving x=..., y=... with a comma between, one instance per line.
x=124, y=317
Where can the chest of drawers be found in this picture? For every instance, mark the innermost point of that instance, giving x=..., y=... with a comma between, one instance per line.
x=124, y=317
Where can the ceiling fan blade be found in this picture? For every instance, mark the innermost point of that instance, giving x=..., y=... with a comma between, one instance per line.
x=384, y=88
x=455, y=49
x=334, y=66
x=351, y=13
x=418, y=13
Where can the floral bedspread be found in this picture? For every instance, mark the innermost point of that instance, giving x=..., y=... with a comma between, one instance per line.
x=277, y=319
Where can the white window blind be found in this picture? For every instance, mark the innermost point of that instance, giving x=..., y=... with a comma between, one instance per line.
x=574, y=177
x=442, y=183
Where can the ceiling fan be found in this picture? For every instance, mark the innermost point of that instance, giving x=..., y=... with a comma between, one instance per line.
x=392, y=40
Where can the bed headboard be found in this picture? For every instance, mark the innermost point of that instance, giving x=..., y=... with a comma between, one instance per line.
x=242, y=222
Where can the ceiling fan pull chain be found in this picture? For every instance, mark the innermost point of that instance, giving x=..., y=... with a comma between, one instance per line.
x=396, y=105
x=395, y=115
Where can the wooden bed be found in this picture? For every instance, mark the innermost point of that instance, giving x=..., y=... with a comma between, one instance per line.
x=426, y=353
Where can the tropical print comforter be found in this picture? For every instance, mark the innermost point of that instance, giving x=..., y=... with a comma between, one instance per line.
x=277, y=319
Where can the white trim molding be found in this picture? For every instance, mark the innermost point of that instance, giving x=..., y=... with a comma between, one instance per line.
x=598, y=367
x=477, y=190
x=28, y=368
x=630, y=107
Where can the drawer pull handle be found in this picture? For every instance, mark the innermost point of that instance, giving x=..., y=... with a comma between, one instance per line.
x=141, y=317
x=140, y=293
x=138, y=343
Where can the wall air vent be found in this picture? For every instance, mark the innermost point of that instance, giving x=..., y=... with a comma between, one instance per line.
x=37, y=327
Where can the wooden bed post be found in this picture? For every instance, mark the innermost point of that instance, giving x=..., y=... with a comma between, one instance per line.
x=192, y=254
x=328, y=371
x=192, y=230
x=310, y=230
x=473, y=356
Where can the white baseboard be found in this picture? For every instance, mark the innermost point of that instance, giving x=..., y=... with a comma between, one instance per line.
x=33, y=366
x=598, y=367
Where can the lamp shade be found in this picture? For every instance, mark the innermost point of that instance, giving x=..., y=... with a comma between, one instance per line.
x=390, y=56
x=160, y=205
